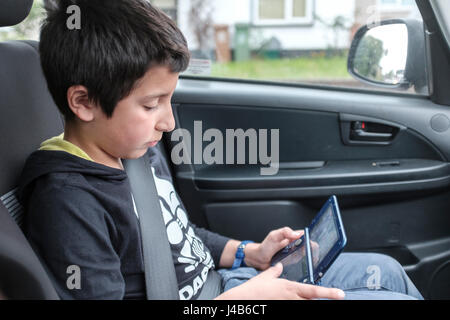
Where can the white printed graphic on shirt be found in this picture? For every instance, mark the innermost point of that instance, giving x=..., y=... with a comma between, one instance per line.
x=134, y=207
x=192, y=252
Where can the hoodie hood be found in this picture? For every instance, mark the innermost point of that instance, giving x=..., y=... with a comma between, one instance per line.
x=59, y=156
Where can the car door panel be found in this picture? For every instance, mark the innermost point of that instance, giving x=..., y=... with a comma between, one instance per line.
x=393, y=196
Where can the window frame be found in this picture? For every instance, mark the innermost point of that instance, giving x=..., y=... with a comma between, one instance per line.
x=288, y=13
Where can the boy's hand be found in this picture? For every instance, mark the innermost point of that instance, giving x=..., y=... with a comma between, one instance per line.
x=259, y=255
x=267, y=286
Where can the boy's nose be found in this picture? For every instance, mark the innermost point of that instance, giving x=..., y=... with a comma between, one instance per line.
x=171, y=125
x=167, y=121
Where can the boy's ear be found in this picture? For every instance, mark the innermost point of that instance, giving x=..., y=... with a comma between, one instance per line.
x=77, y=98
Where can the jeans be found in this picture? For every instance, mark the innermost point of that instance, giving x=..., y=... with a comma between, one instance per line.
x=362, y=276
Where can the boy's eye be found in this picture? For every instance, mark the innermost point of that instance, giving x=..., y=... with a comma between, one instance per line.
x=149, y=108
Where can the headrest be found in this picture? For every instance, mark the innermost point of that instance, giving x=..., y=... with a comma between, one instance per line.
x=13, y=12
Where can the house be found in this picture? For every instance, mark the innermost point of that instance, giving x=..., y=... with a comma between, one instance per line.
x=291, y=26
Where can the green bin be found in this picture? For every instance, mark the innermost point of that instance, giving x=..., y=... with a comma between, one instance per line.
x=241, y=42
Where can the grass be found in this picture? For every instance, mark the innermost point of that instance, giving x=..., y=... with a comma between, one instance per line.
x=304, y=68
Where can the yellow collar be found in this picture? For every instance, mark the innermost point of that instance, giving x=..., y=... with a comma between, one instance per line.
x=59, y=144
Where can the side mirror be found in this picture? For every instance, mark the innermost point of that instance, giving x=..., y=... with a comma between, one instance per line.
x=390, y=55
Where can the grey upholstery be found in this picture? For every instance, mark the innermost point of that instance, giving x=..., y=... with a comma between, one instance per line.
x=27, y=117
x=28, y=114
x=14, y=11
x=22, y=275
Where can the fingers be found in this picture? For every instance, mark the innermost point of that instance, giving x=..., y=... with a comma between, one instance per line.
x=270, y=286
x=315, y=250
x=307, y=291
x=273, y=272
x=291, y=234
x=285, y=233
x=275, y=241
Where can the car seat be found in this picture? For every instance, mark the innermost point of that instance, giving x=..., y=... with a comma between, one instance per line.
x=28, y=116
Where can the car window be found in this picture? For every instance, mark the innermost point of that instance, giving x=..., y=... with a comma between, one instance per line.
x=293, y=41
x=289, y=41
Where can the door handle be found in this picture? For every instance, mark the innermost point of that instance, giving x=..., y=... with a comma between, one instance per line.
x=361, y=130
x=370, y=132
x=371, y=136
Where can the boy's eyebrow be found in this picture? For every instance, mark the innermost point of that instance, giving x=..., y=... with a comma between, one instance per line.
x=153, y=96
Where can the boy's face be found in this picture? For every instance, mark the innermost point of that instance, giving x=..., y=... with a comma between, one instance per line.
x=133, y=126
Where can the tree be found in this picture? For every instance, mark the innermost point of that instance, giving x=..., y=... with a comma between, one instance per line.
x=367, y=58
x=338, y=24
x=200, y=15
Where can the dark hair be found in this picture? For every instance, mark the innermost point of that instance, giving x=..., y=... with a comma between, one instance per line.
x=119, y=40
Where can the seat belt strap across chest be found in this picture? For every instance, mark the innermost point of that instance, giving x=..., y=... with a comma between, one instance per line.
x=160, y=277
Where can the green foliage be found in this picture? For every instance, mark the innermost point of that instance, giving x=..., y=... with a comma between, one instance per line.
x=367, y=58
x=296, y=69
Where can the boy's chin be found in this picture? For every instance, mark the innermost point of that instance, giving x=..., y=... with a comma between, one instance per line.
x=136, y=155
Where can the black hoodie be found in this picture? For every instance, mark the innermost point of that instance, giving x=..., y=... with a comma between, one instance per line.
x=81, y=223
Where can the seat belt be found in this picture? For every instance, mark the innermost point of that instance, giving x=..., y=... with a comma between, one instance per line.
x=160, y=278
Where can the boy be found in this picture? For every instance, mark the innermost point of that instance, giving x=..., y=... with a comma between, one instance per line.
x=113, y=80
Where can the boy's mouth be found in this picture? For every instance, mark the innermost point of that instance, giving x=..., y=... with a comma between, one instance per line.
x=152, y=143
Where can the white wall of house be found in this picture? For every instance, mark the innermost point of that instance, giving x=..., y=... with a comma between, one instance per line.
x=291, y=36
